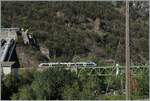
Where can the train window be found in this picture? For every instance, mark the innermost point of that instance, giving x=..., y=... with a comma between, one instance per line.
x=72, y=64
x=45, y=64
x=89, y=64
x=85, y=65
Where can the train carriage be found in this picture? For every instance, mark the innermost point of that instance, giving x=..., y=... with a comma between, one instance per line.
x=68, y=64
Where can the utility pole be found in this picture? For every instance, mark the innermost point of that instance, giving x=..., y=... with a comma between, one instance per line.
x=127, y=52
x=149, y=47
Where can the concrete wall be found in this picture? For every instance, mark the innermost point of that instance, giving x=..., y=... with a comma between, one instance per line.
x=6, y=70
x=6, y=67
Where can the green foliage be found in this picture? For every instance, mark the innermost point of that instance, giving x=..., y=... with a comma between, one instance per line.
x=90, y=88
x=71, y=92
x=143, y=83
x=67, y=30
x=59, y=83
x=24, y=93
x=115, y=97
x=45, y=85
x=71, y=32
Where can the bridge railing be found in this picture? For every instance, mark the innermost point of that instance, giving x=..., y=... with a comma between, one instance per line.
x=9, y=29
x=8, y=33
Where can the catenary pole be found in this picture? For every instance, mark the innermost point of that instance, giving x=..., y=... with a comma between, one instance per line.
x=127, y=56
x=149, y=50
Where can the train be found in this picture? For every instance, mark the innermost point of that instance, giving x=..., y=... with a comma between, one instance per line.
x=68, y=64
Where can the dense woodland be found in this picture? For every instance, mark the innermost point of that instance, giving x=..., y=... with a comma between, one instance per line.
x=76, y=31
x=62, y=84
x=91, y=31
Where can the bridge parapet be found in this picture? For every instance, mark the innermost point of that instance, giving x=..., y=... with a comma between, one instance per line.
x=6, y=67
x=8, y=33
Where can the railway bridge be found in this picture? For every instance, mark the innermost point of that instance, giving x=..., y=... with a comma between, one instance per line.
x=8, y=54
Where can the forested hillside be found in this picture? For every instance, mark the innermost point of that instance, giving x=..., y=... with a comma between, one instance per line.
x=74, y=32
x=90, y=31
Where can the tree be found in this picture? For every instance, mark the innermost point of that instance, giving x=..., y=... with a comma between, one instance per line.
x=46, y=85
x=24, y=93
x=10, y=85
x=71, y=92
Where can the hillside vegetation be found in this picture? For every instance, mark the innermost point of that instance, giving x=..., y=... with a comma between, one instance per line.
x=62, y=84
x=76, y=31
x=88, y=31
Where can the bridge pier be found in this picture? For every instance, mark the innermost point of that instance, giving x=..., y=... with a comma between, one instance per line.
x=8, y=55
